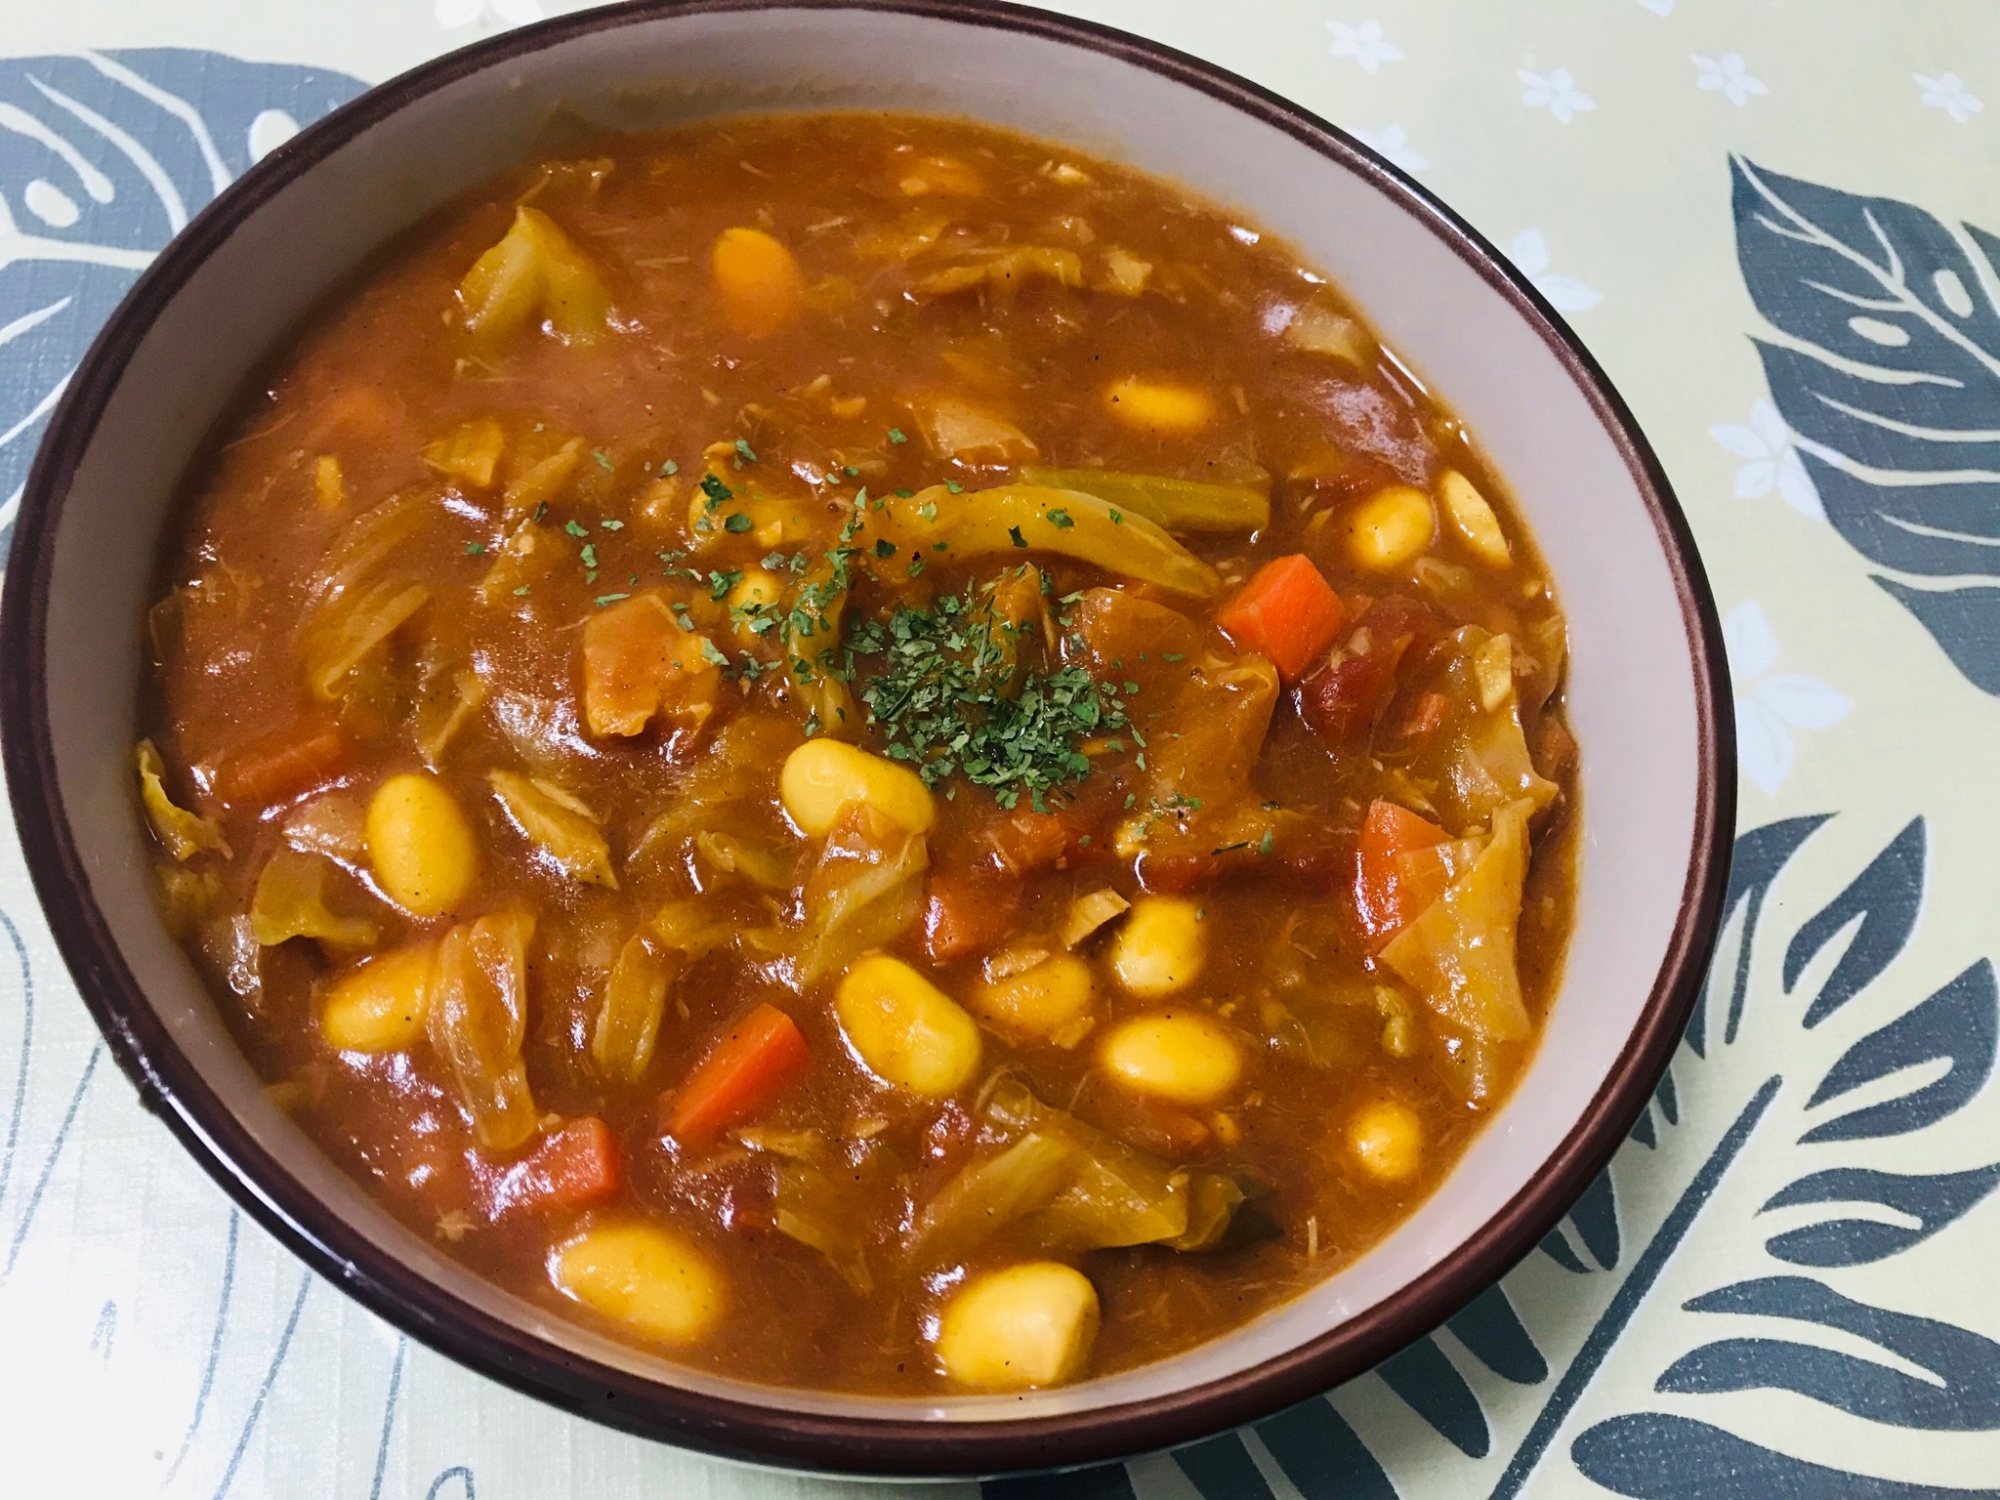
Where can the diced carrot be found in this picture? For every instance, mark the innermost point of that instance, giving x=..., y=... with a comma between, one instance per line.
x=759, y=1057
x=297, y=758
x=569, y=1168
x=1392, y=886
x=967, y=911
x=1287, y=612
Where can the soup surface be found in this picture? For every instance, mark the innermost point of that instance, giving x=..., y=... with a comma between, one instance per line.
x=866, y=752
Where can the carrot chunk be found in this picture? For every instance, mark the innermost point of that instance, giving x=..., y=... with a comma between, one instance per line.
x=296, y=759
x=1392, y=885
x=754, y=1063
x=569, y=1168
x=1287, y=612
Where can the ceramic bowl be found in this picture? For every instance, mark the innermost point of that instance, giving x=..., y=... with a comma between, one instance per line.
x=1647, y=683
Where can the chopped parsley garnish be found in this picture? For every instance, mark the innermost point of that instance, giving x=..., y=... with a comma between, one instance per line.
x=884, y=547
x=1117, y=518
x=951, y=698
x=954, y=486
x=850, y=471
x=604, y=599
x=744, y=451
x=717, y=492
x=589, y=555
x=928, y=510
x=670, y=467
x=602, y=462
x=916, y=566
x=1060, y=519
x=896, y=435
x=1264, y=844
x=473, y=549
x=1014, y=535
x=719, y=584
x=520, y=591
x=574, y=529
x=711, y=653
x=737, y=522
x=905, y=494
x=1173, y=656
x=610, y=525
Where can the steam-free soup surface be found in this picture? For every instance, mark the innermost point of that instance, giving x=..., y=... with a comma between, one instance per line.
x=866, y=752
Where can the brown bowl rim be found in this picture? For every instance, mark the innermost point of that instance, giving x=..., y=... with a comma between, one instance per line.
x=902, y=1447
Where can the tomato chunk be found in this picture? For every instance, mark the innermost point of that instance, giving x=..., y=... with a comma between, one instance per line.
x=1392, y=884
x=966, y=912
x=761, y=1056
x=568, y=1168
x=1287, y=612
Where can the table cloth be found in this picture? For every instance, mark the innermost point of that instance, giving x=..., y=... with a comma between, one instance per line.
x=1777, y=224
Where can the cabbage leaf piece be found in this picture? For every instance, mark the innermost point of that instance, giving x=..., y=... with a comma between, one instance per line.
x=479, y=1015
x=1177, y=504
x=290, y=902
x=535, y=274
x=866, y=891
x=1063, y=1187
x=558, y=824
x=1459, y=954
x=183, y=833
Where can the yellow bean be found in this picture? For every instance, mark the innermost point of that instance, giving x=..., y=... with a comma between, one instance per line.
x=752, y=602
x=1387, y=1138
x=1159, y=407
x=382, y=1005
x=1051, y=1000
x=1161, y=947
x=1183, y=1057
x=758, y=281
x=823, y=778
x=649, y=1279
x=1027, y=1326
x=1391, y=529
x=905, y=1030
x=420, y=846
x=1473, y=519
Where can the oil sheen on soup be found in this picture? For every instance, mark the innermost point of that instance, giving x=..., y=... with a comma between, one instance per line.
x=865, y=752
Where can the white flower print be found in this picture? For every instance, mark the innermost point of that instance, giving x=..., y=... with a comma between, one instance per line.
x=1556, y=92
x=1770, y=461
x=1728, y=75
x=1530, y=254
x=1948, y=92
x=1770, y=705
x=1364, y=43
x=1390, y=141
x=452, y=14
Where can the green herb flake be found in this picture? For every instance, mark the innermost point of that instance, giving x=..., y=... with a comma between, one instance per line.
x=520, y=591
x=717, y=492
x=954, y=486
x=670, y=467
x=850, y=471
x=884, y=547
x=719, y=584
x=1117, y=518
x=1060, y=519
x=1014, y=535
x=896, y=435
x=905, y=494
x=602, y=462
x=710, y=653
x=928, y=510
x=541, y=510
x=737, y=522
x=1173, y=656
x=473, y=549
x=1264, y=844
x=603, y=599
x=744, y=451
x=610, y=525
x=589, y=555
x=574, y=529
x=916, y=566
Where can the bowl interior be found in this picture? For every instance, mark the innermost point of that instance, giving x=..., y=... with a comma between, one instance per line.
x=1636, y=678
